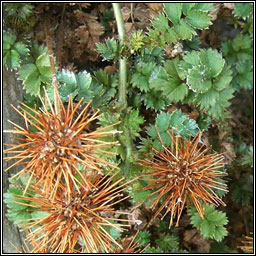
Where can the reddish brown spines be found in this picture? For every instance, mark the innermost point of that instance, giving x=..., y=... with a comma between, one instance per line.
x=53, y=152
x=184, y=170
x=75, y=214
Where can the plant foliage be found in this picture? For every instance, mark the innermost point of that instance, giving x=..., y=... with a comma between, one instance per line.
x=212, y=226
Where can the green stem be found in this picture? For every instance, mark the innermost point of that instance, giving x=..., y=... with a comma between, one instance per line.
x=122, y=62
x=122, y=99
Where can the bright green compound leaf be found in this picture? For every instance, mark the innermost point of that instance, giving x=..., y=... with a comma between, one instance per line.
x=138, y=196
x=198, y=19
x=212, y=226
x=173, y=12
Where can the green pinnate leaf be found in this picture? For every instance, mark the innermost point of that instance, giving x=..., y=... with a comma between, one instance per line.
x=133, y=121
x=154, y=100
x=115, y=233
x=138, y=196
x=141, y=78
x=67, y=84
x=140, y=81
x=173, y=12
x=168, y=242
x=192, y=58
x=217, y=217
x=21, y=217
x=151, y=131
x=198, y=19
x=171, y=67
x=241, y=42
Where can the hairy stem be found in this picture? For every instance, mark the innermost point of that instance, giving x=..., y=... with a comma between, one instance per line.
x=122, y=62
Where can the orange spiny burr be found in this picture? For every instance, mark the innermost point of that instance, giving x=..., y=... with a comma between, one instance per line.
x=181, y=171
